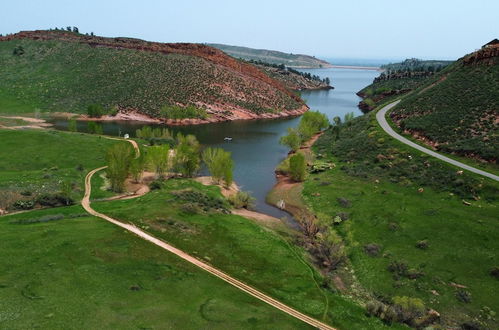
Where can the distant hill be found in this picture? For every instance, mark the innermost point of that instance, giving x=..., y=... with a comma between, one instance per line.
x=65, y=71
x=293, y=79
x=273, y=57
x=397, y=79
x=457, y=110
x=414, y=64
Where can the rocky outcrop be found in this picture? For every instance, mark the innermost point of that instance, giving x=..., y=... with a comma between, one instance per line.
x=486, y=55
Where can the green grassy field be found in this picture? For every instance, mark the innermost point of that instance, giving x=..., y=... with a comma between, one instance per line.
x=69, y=76
x=397, y=199
x=254, y=254
x=38, y=161
x=82, y=272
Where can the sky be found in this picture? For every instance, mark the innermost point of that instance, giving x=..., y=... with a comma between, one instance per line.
x=376, y=29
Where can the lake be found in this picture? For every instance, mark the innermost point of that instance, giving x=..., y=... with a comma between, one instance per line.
x=255, y=144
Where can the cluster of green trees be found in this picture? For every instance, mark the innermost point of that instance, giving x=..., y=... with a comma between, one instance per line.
x=92, y=127
x=155, y=135
x=177, y=112
x=185, y=160
x=97, y=111
x=310, y=123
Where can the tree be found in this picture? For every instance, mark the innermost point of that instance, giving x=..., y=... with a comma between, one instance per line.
x=220, y=164
x=348, y=117
x=297, y=167
x=158, y=159
x=292, y=140
x=187, y=160
x=72, y=125
x=137, y=167
x=95, y=110
x=312, y=122
x=118, y=159
x=75, y=29
x=66, y=188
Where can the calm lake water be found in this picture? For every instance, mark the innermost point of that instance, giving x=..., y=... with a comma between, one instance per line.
x=255, y=144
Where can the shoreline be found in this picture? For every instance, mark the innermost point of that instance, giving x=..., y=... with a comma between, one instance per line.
x=355, y=67
x=234, y=116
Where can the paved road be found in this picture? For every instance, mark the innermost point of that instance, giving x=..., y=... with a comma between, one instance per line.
x=210, y=269
x=380, y=117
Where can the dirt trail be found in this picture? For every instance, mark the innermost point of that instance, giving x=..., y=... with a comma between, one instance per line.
x=212, y=270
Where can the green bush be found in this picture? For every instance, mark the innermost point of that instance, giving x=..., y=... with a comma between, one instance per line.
x=23, y=205
x=202, y=201
x=242, y=199
x=53, y=200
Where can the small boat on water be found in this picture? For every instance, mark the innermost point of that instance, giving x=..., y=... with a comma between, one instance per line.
x=227, y=138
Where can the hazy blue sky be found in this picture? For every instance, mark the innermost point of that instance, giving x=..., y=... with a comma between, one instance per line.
x=348, y=28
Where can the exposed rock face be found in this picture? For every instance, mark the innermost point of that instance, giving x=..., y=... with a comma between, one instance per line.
x=483, y=56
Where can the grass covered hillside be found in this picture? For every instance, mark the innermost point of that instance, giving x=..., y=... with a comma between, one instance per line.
x=398, y=79
x=418, y=233
x=273, y=57
x=457, y=110
x=66, y=71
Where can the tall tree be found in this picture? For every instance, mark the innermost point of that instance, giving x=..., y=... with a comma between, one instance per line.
x=220, y=164
x=187, y=159
x=292, y=140
x=158, y=159
x=118, y=165
x=297, y=167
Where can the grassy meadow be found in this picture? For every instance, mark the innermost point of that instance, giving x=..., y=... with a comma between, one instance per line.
x=62, y=269
x=35, y=162
x=193, y=218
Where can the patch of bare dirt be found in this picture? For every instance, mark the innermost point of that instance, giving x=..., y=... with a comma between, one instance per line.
x=30, y=123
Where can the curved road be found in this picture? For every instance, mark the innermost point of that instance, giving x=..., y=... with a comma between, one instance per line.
x=380, y=117
x=212, y=270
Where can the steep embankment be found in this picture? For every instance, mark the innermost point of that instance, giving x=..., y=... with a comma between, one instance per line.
x=457, y=110
x=273, y=57
x=65, y=71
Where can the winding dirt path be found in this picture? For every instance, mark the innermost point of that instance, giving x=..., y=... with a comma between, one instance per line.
x=210, y=269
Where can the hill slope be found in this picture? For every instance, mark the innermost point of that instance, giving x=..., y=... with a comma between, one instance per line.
x=397, y=79
x=65, y=71
x=457, y=110
x=273, y=56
